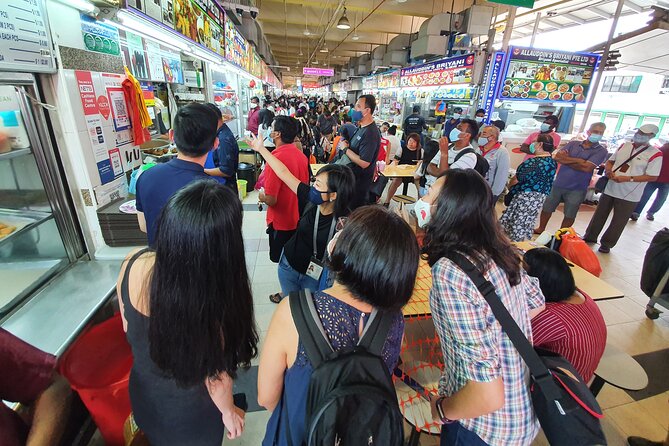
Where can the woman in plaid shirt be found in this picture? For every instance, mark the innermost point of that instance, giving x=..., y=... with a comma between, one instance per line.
x=484, y=394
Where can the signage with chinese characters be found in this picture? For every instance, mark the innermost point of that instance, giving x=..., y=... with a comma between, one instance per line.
x=545, y=75
x=311, y=71
x=25, y=42
x=493, y=74
x=454, y=70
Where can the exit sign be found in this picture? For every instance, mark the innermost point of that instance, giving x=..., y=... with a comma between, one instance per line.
x=521, y=3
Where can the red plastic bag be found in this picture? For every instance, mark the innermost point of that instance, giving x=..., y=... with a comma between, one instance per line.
x=576, y=250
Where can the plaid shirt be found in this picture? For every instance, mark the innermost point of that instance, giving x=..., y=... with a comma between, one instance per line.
x=476, y=349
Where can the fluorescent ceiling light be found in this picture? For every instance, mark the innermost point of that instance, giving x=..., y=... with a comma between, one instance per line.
x=134, y=24
x=343, y=22
x=81, y=5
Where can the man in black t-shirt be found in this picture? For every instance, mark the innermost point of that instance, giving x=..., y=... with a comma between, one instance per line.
x=363, y=149
x=414, y=123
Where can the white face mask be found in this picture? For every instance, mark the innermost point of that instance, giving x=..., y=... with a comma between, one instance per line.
x=253, y=105
x=423, y=212
x=332, y=243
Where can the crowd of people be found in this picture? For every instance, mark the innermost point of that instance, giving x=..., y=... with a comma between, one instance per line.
x=187, y=303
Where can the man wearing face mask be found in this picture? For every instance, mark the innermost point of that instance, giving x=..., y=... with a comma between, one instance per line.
x=629, y=169
x=578, y=160
x=479, y=116
x=283, y=212
x=453, y=122
x=222, y=163
x=455, y=152
x=551, y=122
x=254, y=116
x=498, y=160
x=363, y=148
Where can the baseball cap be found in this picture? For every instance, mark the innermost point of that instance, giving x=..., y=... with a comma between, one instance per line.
x=649, y=128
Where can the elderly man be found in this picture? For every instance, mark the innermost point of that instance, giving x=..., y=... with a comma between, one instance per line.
x=578, y=159
x=629, y=169
x=551, y=122
x=497, y=157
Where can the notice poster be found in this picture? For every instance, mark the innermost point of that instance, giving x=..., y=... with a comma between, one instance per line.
x=546, y=75
x=155, y=61
x=100, y=37
x=119, y=109
x=454, y=70
x=137, y=61
x=172, y=67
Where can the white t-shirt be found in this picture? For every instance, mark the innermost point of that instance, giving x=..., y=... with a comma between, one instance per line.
x=648, y=162
x=395, y=145
x=466, y=161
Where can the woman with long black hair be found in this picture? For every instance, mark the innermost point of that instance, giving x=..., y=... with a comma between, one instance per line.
x=188, y=314
x=483, y=394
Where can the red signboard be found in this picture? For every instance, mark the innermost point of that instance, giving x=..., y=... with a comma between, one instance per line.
x=87, y=92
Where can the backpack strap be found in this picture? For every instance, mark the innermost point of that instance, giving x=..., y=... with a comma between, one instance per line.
x=462, y=153
x=375, y=333
x=309, y=327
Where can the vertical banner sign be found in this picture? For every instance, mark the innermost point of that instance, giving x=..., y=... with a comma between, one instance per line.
x=89, y=101
x=490, y=92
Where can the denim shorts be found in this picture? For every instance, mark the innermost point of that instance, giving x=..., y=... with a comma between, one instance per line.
x=572, y=201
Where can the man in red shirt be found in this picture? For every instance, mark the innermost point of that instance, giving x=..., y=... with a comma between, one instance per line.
x=283, y=213
x=661, y=185
x=254, y=118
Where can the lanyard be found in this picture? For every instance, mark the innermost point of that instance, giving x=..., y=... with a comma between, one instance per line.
x=332, y=228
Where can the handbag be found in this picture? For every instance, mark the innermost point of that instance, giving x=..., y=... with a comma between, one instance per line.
x=567, y=411
x=602, y=181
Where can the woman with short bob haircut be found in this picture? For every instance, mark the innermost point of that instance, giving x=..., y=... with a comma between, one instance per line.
x=483, y=389
x=188, y=314
x=372, y=271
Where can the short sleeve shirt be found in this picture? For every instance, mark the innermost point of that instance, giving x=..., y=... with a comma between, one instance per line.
x=536, y=175
x=476, y=349
x=284, y=215
x=648, y=162
x=572, y=179
x=366, y=143
x=156, y=186
x=466, y=161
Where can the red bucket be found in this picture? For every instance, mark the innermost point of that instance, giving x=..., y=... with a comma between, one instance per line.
x=98, y=368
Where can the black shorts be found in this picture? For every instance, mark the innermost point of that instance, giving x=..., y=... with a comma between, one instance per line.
x=277, y=240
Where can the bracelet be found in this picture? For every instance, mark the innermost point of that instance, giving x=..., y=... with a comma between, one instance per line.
x=440, y=411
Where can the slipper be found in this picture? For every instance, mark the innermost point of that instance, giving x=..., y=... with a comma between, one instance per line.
x=275, y=298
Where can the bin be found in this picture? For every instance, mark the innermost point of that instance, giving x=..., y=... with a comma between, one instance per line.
x=98, y=367
x=247, y=172
x=241, y=187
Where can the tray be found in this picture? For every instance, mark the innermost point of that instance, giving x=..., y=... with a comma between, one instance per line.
x=23, y=220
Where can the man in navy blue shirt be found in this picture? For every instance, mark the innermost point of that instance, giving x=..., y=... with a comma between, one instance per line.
x=194, y=136
x=226, y=157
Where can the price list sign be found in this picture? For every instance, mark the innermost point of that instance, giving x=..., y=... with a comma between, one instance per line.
x=25, y=42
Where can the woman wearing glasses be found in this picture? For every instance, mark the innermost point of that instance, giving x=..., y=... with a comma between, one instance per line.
x=321, y=205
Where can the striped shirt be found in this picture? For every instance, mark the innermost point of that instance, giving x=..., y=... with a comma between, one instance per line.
x=576, y=332
x=476, y=349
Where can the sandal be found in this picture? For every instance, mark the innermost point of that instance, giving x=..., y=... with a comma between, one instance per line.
x=275, y=298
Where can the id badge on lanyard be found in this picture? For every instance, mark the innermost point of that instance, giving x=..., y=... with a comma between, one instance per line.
x=315, y=268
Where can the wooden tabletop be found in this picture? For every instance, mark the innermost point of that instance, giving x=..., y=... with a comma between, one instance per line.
x=399, y=171
x=419, y=304
x=621, y=370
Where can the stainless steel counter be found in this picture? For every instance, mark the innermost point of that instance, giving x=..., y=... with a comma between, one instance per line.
x=55, y=316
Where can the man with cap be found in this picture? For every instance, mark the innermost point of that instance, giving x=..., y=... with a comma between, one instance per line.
x=453, y=122
x=633, y=165
x=414, y=123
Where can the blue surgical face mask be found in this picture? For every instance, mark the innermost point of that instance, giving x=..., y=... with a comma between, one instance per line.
x=545, y=127
x=316, y=196
x=594, y=138
x=482, y=141
x=356, y=115
x=454, y=135
x=532, y=148
x=640, y=139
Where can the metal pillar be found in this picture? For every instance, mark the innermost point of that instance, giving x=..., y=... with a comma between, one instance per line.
x=602, y=64
x=510, y=19
x=536, y=28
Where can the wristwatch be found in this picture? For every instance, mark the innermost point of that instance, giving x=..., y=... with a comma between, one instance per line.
x=440, y=411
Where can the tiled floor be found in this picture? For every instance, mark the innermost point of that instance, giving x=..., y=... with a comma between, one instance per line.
x=628, y=327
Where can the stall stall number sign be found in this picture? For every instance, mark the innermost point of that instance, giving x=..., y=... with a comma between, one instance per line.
x=25, y=42
x=454, y=70
x=546, y=75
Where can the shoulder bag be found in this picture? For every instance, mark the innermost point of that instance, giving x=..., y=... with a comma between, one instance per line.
x=601, y=183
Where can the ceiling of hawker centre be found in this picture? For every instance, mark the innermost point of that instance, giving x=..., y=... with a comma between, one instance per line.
x=377, y=22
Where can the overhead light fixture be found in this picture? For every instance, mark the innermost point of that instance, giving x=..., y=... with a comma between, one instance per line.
x=82, y=5
x=306, y=31
x=130, y=22
x=315, y=62
x=343, y=22
x=324, y=49
x=355, y=36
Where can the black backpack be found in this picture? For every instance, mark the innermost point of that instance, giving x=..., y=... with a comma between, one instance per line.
x=482, y=166
x=351, y=399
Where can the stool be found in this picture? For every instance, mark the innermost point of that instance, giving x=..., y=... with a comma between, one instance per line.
x=403, y=200
x=414, y=408
x=620, y=370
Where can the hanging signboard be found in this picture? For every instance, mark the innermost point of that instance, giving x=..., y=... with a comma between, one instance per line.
x=390, y=79
x=454, y=70
x=545, y=75
x=370, y=83
x=25, y=41
x=493, y=77
x=100, y=37
x=235, y=45
x=311, y=71
x=200, y=22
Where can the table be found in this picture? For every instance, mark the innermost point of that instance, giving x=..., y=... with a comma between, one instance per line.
x=620, y=370
x=419, y=304
x=400, y=171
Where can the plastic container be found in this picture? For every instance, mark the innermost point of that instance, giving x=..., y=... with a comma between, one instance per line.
x=98, y=367
x=242, y=188
x=247, y=172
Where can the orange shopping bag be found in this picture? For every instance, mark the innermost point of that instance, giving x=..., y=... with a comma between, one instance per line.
x=576, y=250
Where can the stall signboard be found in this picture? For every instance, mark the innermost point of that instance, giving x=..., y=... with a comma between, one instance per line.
x=311, y=71
x=390, y=79
x=236, y=50
x=159, y=10
x=255, y=64
x=100, y=37
x=493, y=77
x=25, y=40
x=199, y=20
x=449, y=71
x=453, y=93
x=545, y=75
x=370, y=83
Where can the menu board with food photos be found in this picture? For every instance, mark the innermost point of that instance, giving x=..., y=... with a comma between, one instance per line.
x=449, y=71
x=201, y=21
x=545, y=75
x=236, y=47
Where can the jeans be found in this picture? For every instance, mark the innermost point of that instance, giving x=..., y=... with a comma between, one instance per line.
x=662, y=192
x=291, y=280
x=455, y=435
